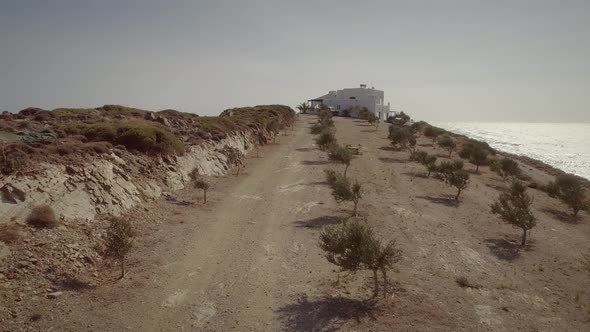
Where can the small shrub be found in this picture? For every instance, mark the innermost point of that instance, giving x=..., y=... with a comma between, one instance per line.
x=331, y=176
x=514, y=208
x=326, y=139
x=234, y=157
x=340, y=154
x=204, y=185
x=316, y=129
x=119, y=240
x=273, y=127
x=373, y=120
x=569, y=190
x=42, y=217
x=10, y=234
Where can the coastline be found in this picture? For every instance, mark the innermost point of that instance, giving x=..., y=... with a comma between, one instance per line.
x=531, y=162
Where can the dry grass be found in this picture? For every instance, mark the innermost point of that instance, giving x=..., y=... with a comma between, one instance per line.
x=42, y=217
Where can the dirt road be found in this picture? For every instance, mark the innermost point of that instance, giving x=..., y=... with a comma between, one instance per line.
x=248, y=260
x=236, y=261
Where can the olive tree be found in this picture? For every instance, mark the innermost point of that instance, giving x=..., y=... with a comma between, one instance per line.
x=478, y=157
x=448, y=143
x=514, y=207
x=340, y=154
x=203, y=185
x=119, y=240
x=326, y=139
x=506, y=168
x=353, y=247
x=234, y=157
x=403, y=138
x=345, y=190
x=454, y=175
x=432, y=133
x=273, y=127
x=429, y=161
x=373, y=120
x=569, y=190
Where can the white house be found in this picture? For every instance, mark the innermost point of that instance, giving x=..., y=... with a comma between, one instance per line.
x=348, y=98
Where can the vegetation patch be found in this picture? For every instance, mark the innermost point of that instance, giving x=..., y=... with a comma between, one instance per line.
x=145, y=136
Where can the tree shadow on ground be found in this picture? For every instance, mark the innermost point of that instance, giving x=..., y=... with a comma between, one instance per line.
x=304, y=149
x=424, y=144
x=325, y=314
x=446, y=200
x=389, y=148
x=417, y=175
x=315, y=162
x=68, y=282
x=392, y=160
x=315, y=183
x=499, y=187
x=319, y=222
x=368, y=131
x=562, y=216
x=506, y=250
x=364, y=125
x=173, y=200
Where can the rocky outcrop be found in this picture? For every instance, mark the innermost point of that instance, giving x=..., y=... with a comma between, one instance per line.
x=107, y=185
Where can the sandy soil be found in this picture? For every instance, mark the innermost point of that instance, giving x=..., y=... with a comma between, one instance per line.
x=248, y=260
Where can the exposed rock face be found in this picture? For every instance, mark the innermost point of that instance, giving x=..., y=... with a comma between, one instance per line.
x=105, y=186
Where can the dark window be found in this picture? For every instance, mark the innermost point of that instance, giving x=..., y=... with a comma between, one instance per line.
x=352, y=97
x=338, y=107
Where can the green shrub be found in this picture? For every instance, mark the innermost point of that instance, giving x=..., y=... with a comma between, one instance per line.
x=140, y=136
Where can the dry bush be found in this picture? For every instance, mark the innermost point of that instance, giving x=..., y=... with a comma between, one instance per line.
x=119, y=241
x=42, y=216
x=10, y=234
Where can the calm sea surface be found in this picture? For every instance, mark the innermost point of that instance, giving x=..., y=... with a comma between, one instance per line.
x=562, y=145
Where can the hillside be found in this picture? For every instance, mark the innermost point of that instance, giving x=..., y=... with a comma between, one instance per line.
x=249, y=259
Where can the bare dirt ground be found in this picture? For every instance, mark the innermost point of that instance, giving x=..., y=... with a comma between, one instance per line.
x=248, y=260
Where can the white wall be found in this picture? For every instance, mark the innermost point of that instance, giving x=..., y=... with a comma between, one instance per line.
x=370, y=98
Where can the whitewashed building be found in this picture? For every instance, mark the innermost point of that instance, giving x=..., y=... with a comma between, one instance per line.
x=348, y=98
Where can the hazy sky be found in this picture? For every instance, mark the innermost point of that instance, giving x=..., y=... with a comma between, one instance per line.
x=512, y=60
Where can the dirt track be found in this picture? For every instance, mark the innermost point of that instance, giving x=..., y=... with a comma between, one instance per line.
x=249, y=260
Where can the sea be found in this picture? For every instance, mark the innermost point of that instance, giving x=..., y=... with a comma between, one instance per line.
x=563, y=145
